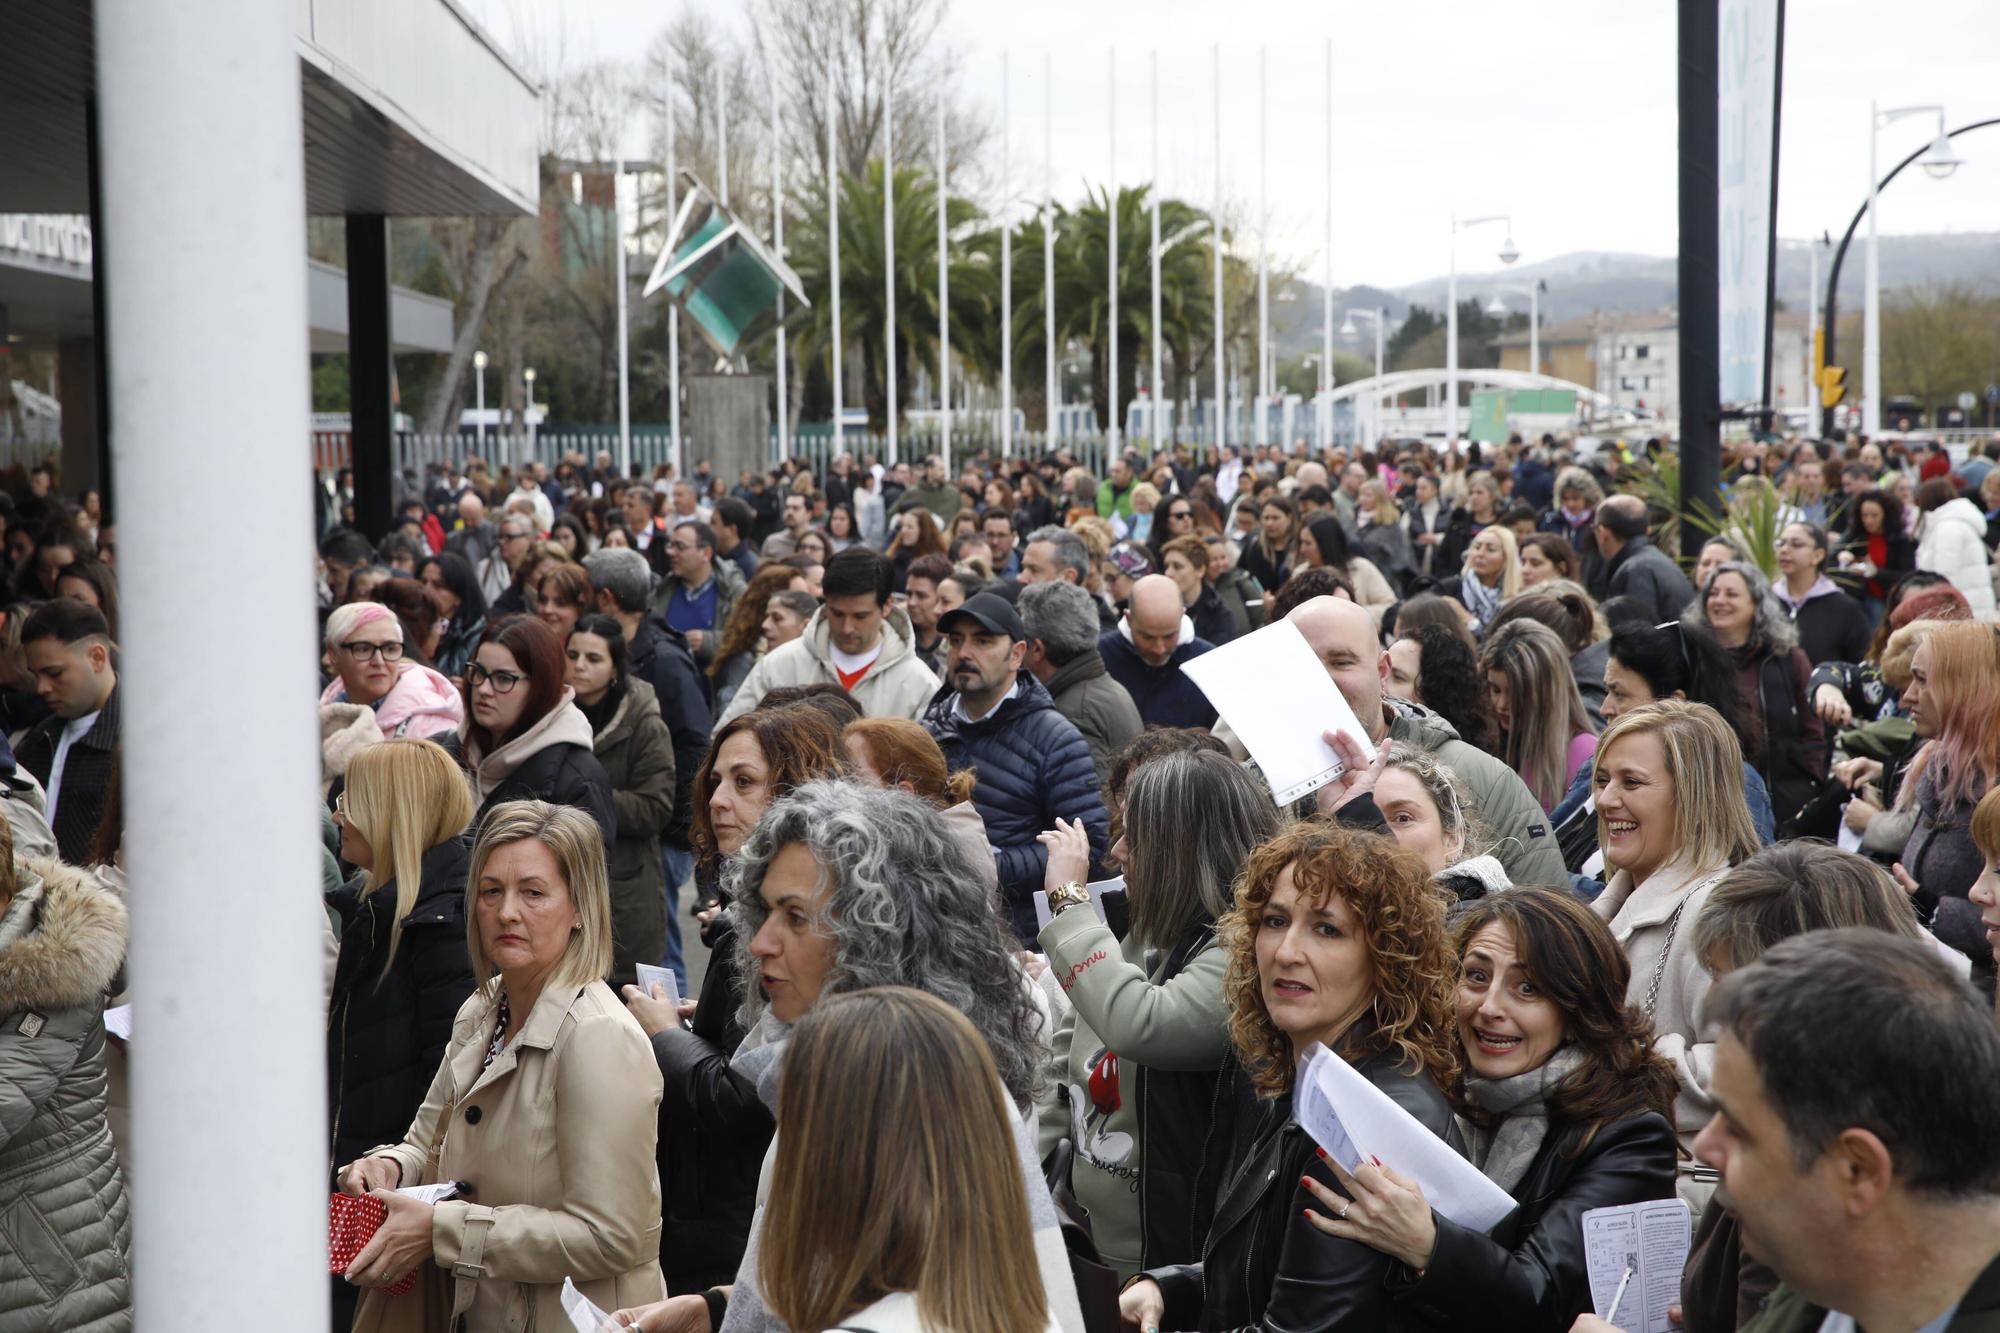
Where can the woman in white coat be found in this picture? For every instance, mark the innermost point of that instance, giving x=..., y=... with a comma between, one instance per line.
x=1672, y=819
x=1951, y=540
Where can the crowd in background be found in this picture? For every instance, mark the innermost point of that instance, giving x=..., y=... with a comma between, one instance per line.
x=1009, y=959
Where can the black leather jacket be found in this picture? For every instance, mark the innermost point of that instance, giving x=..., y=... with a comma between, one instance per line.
x=1264, y=1266
x=1529, y=1273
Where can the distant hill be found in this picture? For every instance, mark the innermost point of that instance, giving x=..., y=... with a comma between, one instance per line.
x=1588, y=281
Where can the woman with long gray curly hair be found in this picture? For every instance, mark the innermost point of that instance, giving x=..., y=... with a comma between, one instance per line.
x=842, y=888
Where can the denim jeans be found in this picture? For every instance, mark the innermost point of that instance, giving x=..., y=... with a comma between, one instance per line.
x=679, y=868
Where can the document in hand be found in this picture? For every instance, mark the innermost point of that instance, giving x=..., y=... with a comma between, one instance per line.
x=1353, y=1119
x=1277, y=698
x=584, y=1317
x=648, y=975
x=1649, y=1240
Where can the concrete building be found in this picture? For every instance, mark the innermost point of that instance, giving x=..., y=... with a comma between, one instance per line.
x=1634, y=359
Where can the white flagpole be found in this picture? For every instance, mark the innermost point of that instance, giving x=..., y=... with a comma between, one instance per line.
x=1006, y=272
x=1157, y=399
x=889, y=245
x=944, y=298
x=778, y=244
x=1215, y=244
x=833, y=246
x=674, y=311
x=1049, y=244
x=1263, y=435
x=1326, y=312
x=722, y=134
x=624, y=353
x=1111, y=431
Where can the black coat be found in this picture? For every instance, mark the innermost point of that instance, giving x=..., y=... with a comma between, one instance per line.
x=86, y=776
x=1264, y=1266
x=659, y=656
x=386, y=1034
x=1832, y=628
x=714, y=1130
x=1644, y=572
x=1529, y=1273
x=1213, y=618
x=561, y=774
x=1033, y=765
x=1166, y=696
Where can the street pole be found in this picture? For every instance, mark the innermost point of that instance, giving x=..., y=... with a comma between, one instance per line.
x=1215, y=238
x=944, y=300
x=1812, y=334
x=1325, y=413
x=479, y=368
x=889, y=246
x=722, y=134
x=624, y=352
x=1375, y=396
x=1699, y=270
x=200, y=295
x=1006, y=266
x=778, y=246
x=673, y=309
x=1871, y=297
x=528, y=413
x=1158, y=398
x=1111, y=265
x=1263, y=432
x=1451, y=340
x=1050, y=388
x=833, y=247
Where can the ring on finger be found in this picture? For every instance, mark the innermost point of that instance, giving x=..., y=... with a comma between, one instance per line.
x=1341, y=1216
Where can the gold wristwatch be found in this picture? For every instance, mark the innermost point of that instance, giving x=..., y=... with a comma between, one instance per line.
x=1066, y=895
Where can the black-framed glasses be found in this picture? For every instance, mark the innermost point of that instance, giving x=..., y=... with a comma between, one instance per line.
x=503, y=682
x=388, y=652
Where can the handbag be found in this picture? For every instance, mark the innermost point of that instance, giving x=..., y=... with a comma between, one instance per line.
x=1096, y=1282
x=351, y=1222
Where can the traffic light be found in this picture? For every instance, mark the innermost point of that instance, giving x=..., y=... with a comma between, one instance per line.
x=1832, y=386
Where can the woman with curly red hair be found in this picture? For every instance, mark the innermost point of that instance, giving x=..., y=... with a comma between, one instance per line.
x=1337, y=938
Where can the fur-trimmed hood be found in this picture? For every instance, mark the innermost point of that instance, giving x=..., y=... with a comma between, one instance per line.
x=69, y=952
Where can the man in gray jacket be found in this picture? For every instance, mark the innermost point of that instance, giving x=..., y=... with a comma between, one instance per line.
x=1633, y=566
x=1345, y=640
x=1062, y=654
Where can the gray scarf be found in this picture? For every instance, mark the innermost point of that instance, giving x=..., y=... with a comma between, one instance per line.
x=1504, y=1150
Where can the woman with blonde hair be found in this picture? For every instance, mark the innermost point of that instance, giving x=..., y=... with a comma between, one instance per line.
x=1672, y=819
x=1545, y=732
x=546, y=1102
x=1337, y=939
x=896, y=752
x=1491, y=575
x=900, y=1208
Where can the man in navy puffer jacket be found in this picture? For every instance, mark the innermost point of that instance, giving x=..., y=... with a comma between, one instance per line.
x=1033, y=764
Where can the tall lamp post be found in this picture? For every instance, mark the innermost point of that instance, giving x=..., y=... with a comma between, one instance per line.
x=479, y=365
x=1533, y=291
x=1508, y=254
x=1380, y=319
x=528, y=412
x=1938, y=163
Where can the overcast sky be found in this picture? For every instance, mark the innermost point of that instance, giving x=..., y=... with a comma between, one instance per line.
x=1560, y=112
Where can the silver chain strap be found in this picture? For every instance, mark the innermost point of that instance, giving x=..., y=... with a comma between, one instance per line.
x=1660, y=967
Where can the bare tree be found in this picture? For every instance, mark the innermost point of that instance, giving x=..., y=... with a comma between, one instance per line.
x=482, y=257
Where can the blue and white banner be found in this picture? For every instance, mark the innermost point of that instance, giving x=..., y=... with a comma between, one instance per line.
x=1747, y=81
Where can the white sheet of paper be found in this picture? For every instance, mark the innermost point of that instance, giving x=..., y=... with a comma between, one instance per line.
x=431, y=1194
x=1652, y=1240
x=584, y=1317
x=1352, y=1118
x=1848, y=840
x=1276, y=696
x=1097, y=889
x=648, y=974
x=118, y=1021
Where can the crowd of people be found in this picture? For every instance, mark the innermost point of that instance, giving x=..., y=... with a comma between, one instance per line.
x=1642, y=880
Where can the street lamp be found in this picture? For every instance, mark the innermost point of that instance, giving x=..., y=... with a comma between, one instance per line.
x=1380, y=318
x=528, y=413
x=1938, y=163
x=1508, y=254
x=1533, y=291
x=479, y=364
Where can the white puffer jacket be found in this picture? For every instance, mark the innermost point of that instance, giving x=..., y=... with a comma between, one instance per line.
x=1951, y=542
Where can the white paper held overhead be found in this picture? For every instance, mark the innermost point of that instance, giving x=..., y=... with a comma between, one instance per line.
x=1352, y=1118
x=1278, y=699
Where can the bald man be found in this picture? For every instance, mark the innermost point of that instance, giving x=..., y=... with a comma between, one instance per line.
x=1344, y=638
x=474, y=538
x=1633, y=566
x=1144, y=653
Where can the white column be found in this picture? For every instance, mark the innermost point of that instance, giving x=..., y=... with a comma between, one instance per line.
x=778, y=246
x=1156, y=397
x=1451, y=343
x=889, y=249
x=833, y=245
x=673, y=308
x=944, y=297
x=624, y=351
x=1325, y=413
x=1215, y=244
x=1812, y=336
x=1262, y=434
x=1111, y=426
x=722, y=134
x=1049, y=245
x=221, y=834
x=1871, y=309
x=1006, y=270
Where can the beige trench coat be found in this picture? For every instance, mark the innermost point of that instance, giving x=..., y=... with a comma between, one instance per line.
x=556, y=1139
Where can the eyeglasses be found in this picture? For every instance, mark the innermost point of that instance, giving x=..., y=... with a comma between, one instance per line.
x=503, y=682
x=388, y=652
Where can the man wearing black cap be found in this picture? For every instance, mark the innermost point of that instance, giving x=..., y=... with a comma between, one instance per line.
x=1032, y=762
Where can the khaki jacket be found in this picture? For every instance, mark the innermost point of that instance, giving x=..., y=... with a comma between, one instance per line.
x=556, y=1140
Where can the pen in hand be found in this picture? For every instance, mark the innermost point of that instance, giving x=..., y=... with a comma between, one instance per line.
x=1611, y=1315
